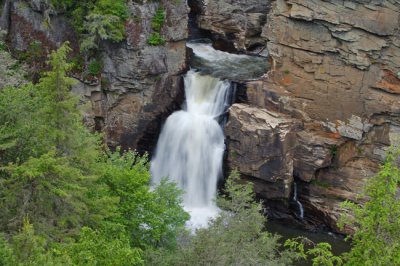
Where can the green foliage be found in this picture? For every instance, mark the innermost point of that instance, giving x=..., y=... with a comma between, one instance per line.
x=101, y=27
x=95, y=248
x=19, y=124
x=35, y=119
x=321, y=254
x=34, y=52
x=35, y=56
x=96, y=20
x=235, y=237
x=52, y=193
x=156, y=24
x=158, y=20
x=6, y=253
x=62, y=3
x=334, y=150
x=88, y=206
x=112, y=7
x=156, y=39
x=94, y=67
x=376, y=240
x=151, y=218
x=320, y=183
x=77, y=64
x=30, y=249
x=3, y=45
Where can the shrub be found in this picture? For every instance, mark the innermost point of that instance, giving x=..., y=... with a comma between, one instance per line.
x=235, y=237
x=158, y=20
x=156, y=39
x=94, y=67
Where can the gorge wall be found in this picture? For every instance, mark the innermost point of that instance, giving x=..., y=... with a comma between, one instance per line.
x=330, y=106
x=139, y=85
x=323, y=116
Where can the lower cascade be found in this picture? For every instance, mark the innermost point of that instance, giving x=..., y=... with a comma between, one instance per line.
x=191, y=145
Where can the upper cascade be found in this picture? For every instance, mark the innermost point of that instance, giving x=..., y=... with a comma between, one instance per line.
x=235, y=67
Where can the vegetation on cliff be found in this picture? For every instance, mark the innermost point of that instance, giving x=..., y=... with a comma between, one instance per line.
x=156, y=24
x=96, y=20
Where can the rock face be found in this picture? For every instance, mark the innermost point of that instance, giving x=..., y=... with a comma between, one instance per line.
x=336, y=71
x=261, y=146
x=33, y=21
x=139, y=85
x=236, y=22
x=143, y=83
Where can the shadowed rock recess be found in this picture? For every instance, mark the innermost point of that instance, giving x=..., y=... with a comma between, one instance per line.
x=323, y=116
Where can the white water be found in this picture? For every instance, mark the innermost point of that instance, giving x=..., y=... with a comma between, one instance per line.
x=226, y=65
x=191, y=146
x=296, y=199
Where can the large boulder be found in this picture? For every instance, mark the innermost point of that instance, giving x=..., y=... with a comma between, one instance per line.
x=261, y=146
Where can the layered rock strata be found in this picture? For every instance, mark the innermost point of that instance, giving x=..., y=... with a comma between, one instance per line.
x=336, y=71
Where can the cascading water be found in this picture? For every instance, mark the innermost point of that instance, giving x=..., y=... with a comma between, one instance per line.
x=191, y=146
x=296, y=199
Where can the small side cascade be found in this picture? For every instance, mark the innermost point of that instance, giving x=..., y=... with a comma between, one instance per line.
x=296, y=199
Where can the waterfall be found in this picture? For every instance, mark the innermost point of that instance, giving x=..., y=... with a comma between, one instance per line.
x=191, y=145
x=295, y=199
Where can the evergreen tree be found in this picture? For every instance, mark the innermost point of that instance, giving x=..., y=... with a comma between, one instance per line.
x=235, y=237
x=88, y=206
x=96, y=248
x=376, y=240
x=50, y=178
x=151, y=218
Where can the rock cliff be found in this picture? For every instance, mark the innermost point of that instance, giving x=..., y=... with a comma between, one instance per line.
x=139, y=85
x=336, y=72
